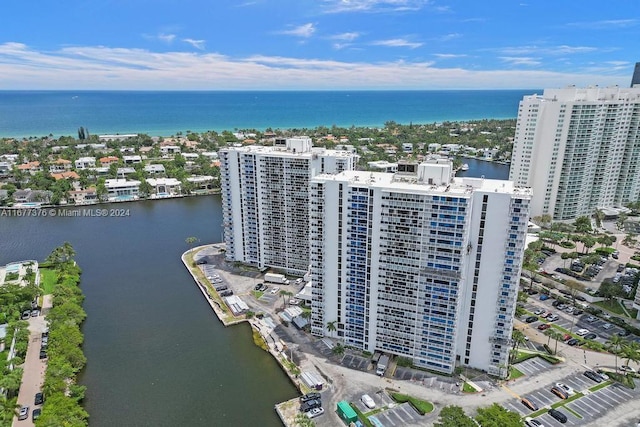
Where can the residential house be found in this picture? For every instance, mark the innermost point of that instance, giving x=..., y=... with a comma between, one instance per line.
x=5, y=169
x=32, y=196
x=85, y=162
x=154, y=169
x=165, y=187
x=31, y=167
x=87, y=196
x=123, y=172
x=68, y=175
x=202, y=182
x=60, y=165
x=130, y=160
x=170, y=149
x=107, y=161
x=119, y=190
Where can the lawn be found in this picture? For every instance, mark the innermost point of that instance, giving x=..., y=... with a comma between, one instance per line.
x=48, y=279
x=515, y=373
x=612, y=306
x=467, y=388
x=422, y=406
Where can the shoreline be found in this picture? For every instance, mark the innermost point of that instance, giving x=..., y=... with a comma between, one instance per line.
x=257, y=326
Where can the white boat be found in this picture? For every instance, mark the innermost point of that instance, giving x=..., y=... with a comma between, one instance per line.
x=464, y=167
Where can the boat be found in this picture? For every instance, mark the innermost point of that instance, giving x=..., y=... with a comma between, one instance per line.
x=464, y=167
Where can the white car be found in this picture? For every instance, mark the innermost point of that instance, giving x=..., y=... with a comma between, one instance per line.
x=315, y=412
x=565, y=388
x=275, y=289
x=532, y=422
x=607, y=326
x=626, y=368
x=368, y=401
x=582, y=332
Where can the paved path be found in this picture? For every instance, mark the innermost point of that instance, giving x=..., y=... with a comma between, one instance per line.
x=34, y=368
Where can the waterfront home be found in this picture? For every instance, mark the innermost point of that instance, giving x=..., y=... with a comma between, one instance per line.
x=10, y=158
x=60, y=165
x=107, y=138
x=154, y=169
x=101, y=171
x=190, y=156
x=209, y=154
x=107, y=161
x=165, y=187
x=31, y=167
x=88, y=196
x=202, y=182
x=119, y=190
x=31, y=196
x=85, y=162
x=130, y=160
x=68, y=175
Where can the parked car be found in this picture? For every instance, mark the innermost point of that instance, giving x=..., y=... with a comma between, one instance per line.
x=607, y=326
x=538, y=311
x=544, y=297
x=315, y=412
x=43, y=354
x=24, y=413
x=602, y=374
x=532, y=422
x=531, y=319
x=544, y=326
x=257, y=287
x=553, y=317
x=275, y=290
x=577, y=312
x=529, y=404
x=39, y=399
x=582, y=332
x=26, y=314
x=627, y=368
x=573, y=341
x=591, y=319
x=559, y=392
x=36, y=414
x=623, y=333
x=35, y=313
x=310, y=396
x=590, y=336
x=558, y=415
x=566, y=388
x=368, y=401
x=310, y=404
x=593, y=376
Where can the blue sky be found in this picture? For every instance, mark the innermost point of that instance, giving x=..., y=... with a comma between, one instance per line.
x=321, y=44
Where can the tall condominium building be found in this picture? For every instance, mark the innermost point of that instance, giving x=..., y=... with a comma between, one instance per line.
x=418, y=264
x=578, y=149
x=635, y=79
x=265, y=200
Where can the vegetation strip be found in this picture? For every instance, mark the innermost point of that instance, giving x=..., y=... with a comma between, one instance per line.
x=422, y=406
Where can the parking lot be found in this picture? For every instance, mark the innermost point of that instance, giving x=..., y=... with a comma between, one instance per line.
x=588, y=408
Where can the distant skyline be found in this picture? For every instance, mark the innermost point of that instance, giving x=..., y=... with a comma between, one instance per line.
x=317, y=44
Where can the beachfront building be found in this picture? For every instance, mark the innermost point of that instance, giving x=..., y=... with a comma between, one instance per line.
x=119, y=190
x=418, y=264
x=85, y=163
x=578, y=149
x=265, y=200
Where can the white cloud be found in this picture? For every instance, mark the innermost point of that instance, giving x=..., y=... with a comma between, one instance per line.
x=167, y=38
x=349, y=37
x=520, y=60
x=340, y=6
x=397, y=43
x=606, y=24
x=99, y=67
x=449, y=55
x=304, y=31
x=198, y=44
x=544, y=50
x=449, y=36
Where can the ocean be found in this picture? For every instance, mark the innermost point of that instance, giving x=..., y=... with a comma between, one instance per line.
x=61, y=113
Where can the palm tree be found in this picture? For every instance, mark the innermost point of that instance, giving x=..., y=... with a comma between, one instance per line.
x=331, y=326
x=614, y=345
x=518, y=339
x=631, y=352
x=191, y=241
x=285, y=294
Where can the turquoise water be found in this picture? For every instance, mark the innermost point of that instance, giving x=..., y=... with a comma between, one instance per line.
x=40, y=113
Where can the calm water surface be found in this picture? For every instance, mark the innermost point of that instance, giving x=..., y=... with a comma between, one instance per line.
x=157, y=355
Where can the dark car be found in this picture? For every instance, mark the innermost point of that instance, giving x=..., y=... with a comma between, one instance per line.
x=310, y=404
x=559, y=392
x=573, y=341
x=623, y=333
x=558, y=415
x=39, y=400
x=531, y=319
x=310, y=396
x=258, y=287
x=43, y=354
x=529, y=404
x=36, y=414
x=590, y=336
x=593, y=376
x=577, y=312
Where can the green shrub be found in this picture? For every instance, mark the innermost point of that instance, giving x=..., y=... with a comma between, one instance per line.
x=422, y=406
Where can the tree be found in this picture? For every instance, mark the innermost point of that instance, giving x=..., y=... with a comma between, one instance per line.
x=588, y=242
x=454, y=416
x=517, y=339
x=191, y=241
x=284, y=295
x=622, y=218
x=631, y=352
x=574, y=288
x=497, y=416
x=614, y=345
x=145, y=188
x=338, y=349
x=331, y=326
x=598, y=215
x=630, y=240
x=583, y=224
